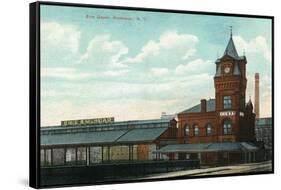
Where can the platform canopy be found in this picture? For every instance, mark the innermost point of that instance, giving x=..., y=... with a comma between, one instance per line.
x=209, y=147
x=104, y=137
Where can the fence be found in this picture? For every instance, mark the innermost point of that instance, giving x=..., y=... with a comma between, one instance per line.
x=110, y=172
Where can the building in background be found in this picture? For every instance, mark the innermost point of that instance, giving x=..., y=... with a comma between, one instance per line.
x=164, y=115
x=263, y=130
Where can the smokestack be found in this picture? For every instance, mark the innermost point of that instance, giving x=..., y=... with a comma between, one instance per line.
x=203, y=105
x=257, y=95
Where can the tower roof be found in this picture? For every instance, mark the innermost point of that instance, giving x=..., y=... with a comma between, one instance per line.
x=230, y=49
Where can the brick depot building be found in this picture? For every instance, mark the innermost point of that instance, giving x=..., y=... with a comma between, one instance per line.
x=220, y=130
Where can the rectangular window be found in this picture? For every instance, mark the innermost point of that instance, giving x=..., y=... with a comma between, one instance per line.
x=70, y=156
x=135, y=152
x=119, y=152
x=227, y=128
x=48, y=157
x=58, y=156
x=81, y=156
x=151, y=154
x=227, y=102
x=42, y=157
x=106, y=153
x=95, y=155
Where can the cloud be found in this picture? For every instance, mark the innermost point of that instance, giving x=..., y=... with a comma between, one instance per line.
x=168, y=41
x=172, y=39
x=189, y=53
x=122, y=100
x=194, y=66
x=121, y=111
x=266, y=105
x=266, y=96
x=159, y=72
x=64, y=73
x=74, y=74
x=110, y=57
x=116, y=73
x=56, y=35
x=256, y=45
x=104, y=52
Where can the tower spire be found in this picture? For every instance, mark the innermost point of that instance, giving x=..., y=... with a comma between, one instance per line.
x=230, y=48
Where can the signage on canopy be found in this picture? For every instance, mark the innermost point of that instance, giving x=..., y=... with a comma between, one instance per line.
x=95, y=121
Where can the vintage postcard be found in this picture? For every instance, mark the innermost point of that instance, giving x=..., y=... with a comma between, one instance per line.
x=130, y=94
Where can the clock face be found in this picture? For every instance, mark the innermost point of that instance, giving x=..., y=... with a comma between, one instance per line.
x=226, y=69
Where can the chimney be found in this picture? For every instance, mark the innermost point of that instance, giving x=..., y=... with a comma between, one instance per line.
x=257, y=95
x=203, y=105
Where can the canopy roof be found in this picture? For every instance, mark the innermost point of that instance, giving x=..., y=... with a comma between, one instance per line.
x=136, y=131
x=209, y=147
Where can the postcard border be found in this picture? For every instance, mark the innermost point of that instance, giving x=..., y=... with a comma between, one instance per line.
x=34, y=98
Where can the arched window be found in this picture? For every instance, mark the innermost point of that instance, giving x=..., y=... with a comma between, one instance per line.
x=227, y=127
x=196, y=130
x=209, y=129
x=186, y=130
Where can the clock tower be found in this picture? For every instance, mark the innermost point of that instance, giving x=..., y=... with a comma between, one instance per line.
x=230, y=87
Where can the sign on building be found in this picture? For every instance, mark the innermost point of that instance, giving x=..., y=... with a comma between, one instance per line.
x=94, y=121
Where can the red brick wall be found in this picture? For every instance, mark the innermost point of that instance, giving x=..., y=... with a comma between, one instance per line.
x=171, y=133
x=201, y=120
x=142, y=151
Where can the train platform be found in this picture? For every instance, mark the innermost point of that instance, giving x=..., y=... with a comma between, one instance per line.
x=222, y=170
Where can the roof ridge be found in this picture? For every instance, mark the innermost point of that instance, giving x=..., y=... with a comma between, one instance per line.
x=123, y=134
